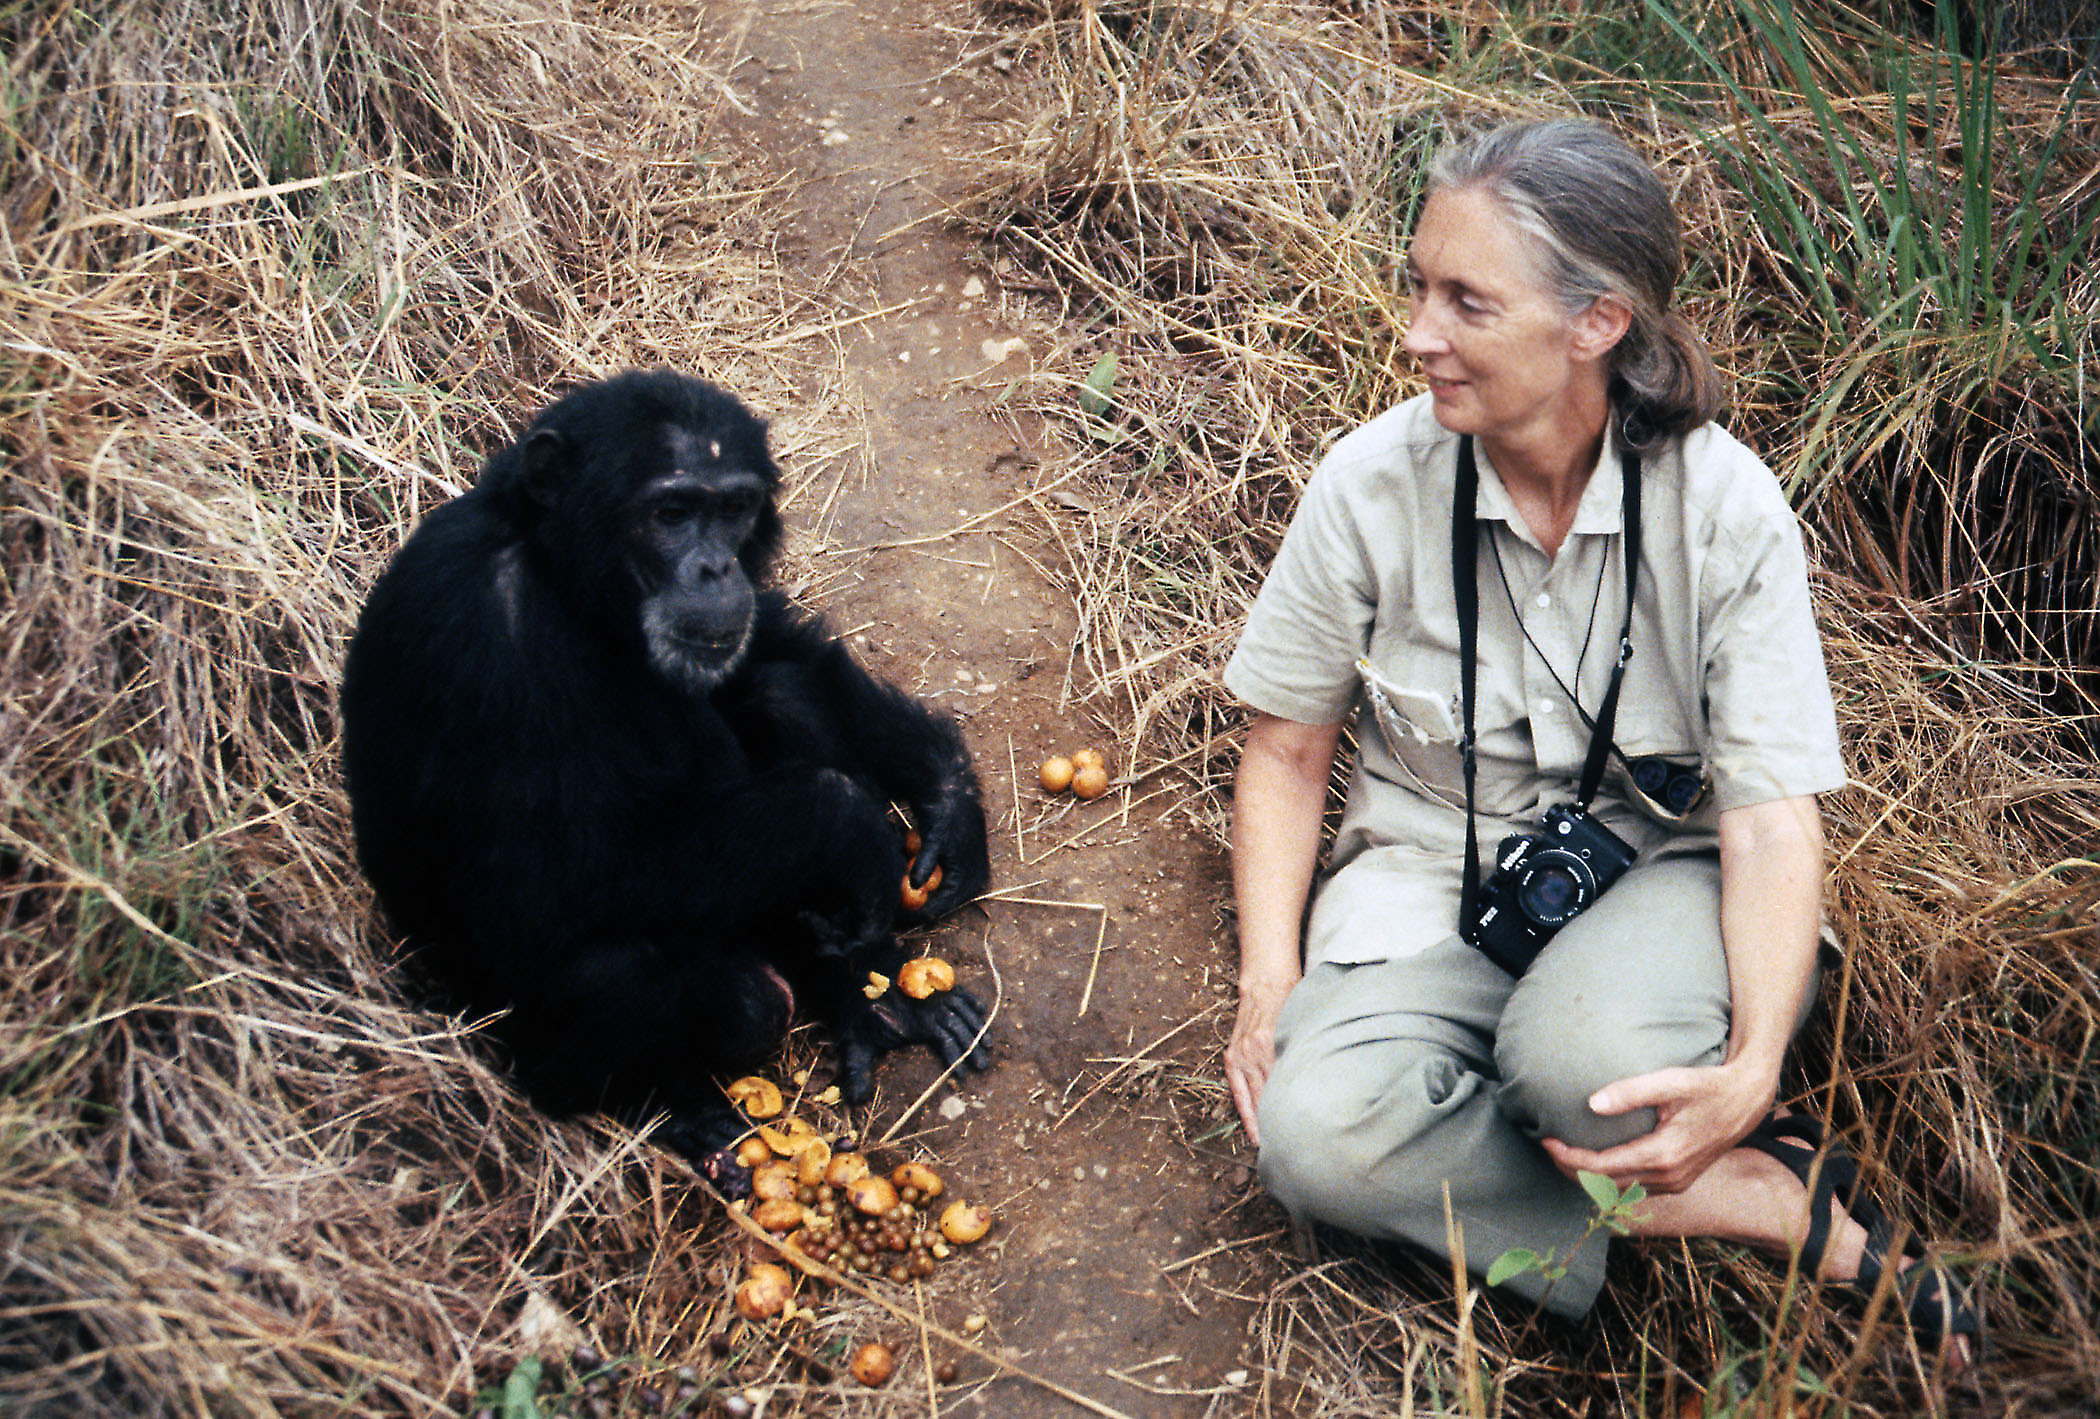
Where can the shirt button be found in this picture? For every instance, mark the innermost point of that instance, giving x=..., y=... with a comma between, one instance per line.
x=1544, y=601
x=1545, y=706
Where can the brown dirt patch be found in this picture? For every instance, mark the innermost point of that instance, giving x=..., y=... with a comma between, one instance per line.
x=1101, y=1134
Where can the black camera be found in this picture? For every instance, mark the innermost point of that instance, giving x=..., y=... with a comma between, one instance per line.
x=1542, y=881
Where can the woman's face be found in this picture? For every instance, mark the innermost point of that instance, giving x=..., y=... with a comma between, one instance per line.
x=1503, y=358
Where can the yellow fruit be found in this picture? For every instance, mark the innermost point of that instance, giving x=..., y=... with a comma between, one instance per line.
x=916, y=897
x=758, y=1098
x=845, y=1168
x=872, y=1363
x=871, y=1194
x=788, y=1135
x=925, y=975
x=1090, y=782
x=772, y=1179
x=1057, y=774
x=811, y=1162
x=965, y=1222
x=917, y=1175
x=764, y=1292
x=1088, y=759
x=779, y=1214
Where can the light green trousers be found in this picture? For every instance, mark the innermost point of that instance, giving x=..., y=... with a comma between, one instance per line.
x=1396, y=1079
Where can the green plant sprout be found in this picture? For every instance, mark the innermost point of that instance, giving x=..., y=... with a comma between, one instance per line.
x=1614, y=1214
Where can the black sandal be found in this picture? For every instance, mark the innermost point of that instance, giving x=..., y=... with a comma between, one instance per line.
x=1932, y=1295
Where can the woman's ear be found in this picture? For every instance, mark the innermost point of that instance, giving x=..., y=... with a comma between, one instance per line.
x=1601, y=325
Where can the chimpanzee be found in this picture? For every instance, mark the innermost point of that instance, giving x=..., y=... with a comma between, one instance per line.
x=600, y=774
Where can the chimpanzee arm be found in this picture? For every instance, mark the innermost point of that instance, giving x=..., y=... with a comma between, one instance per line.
x=802, y=694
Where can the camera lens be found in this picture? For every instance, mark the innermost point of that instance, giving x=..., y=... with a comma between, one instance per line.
x=1552, y=892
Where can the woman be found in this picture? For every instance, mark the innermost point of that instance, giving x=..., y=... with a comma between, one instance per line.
x=1644, y=1041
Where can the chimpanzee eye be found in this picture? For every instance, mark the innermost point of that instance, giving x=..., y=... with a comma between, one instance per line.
x=671, y=514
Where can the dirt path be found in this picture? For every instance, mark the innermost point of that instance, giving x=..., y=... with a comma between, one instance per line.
x=1112, y=1195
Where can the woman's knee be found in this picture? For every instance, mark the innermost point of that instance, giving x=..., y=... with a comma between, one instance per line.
x=1552, y=1062
x=1546, y=1092
x=1324, y=1134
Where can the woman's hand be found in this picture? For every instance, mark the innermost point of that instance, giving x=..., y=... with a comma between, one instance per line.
x=1252, y=1049
x=1701, y=1114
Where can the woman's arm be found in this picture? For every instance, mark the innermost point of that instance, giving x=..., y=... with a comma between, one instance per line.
x=1278, y=798
x=1771, y=894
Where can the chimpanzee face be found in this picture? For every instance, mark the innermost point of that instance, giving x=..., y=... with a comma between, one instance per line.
x=685, y=536
x=648, y=500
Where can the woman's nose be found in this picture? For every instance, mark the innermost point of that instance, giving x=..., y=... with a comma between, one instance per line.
x=1425, y=334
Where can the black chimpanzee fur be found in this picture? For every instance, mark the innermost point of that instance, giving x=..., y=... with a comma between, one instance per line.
x=602, y=776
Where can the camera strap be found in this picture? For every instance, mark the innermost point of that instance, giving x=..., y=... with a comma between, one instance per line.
x=1465, y=567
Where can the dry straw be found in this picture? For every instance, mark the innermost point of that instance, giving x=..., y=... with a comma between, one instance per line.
x=1214, y=194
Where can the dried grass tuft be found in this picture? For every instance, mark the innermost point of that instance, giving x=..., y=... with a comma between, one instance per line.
x=271, y=281
x=1214, y=195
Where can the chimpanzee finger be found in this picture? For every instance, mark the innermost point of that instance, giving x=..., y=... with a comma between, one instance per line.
x=962, y=1018
x=953, y=1028
x=856, y=1070
x=940, y=1036
x=963, y=1047
x=967, y=1006
x=970, y=1016
x=922, y=866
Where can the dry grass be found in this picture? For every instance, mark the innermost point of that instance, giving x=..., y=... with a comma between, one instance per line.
x=271, y=280
x=269, y=285
x=1214, y=193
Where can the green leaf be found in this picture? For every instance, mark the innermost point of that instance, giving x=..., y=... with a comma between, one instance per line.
x=1094, y=394
x=1602, y=1190
x=1514, y=1262
x=522, y=1390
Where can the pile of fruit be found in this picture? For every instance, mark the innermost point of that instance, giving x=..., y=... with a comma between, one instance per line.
x=1085, y=773
x=826, y=1201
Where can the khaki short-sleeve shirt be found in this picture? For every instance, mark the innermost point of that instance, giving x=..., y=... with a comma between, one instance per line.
x=1359, y=613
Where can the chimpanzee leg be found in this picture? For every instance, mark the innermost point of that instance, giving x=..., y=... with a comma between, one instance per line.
x=638, y=1028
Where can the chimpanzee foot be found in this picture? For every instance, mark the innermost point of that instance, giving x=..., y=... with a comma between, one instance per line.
x=707, y=1138
x=947, y=1023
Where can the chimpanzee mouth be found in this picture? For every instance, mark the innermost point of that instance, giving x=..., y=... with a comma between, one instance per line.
x=696, y=663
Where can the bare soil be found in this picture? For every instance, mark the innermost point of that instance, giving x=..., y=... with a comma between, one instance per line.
x=1101, y=1135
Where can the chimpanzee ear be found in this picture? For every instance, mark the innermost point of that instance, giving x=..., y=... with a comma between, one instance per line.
x=543, y=458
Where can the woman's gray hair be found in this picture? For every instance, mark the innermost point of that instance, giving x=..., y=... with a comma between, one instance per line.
x=1601, y=223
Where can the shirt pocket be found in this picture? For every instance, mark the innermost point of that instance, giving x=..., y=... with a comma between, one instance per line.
x=1420, y=734
x=1649, y=799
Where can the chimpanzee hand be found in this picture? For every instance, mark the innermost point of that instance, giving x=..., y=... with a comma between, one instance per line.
x=708, y=1137
x=951, y=827
x=946, y=1022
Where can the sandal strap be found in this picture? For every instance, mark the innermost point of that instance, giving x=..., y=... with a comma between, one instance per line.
x=1934, y=1296
x=1795, y=1142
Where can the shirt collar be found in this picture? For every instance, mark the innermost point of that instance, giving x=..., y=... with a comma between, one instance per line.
x=1601, y=510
